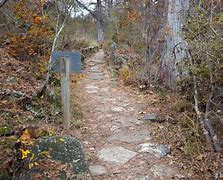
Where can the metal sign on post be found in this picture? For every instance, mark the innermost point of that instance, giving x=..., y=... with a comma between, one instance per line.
x=66, y=63
x=74, y=61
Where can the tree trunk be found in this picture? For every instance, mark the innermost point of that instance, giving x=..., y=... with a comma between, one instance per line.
x=99, y=17
x=100, y=20
x=100, y=31
x=175, y=51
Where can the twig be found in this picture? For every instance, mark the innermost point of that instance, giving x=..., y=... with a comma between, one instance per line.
x=94, y=15
x=15, y=93
x=208, y=125
x=197, y=109
x=2, y=3
x=215, y=33
x=219, y=117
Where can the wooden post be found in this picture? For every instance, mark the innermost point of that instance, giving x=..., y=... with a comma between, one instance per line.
x=65, y=91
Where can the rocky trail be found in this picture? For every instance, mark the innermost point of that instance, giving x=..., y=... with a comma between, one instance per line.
x=117, y=140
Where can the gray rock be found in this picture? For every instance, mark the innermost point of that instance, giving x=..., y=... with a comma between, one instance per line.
x=157, y=150
x=118, y=109
x=97, y=170
x=95, y=69
x=12, y=80
x=113, y=45
x=60, y=152
x=143, y=178
x=96, y=76
x=126, y=121
x=131, y=137
x=97, y=61
x=91, y=91
x=105, y=89
x=116, y=155
x=152, y=118
x=163, y=171
x=91, y=87
x=115, y=128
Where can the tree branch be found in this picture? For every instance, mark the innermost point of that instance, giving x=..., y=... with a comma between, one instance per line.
x=208, y=124
x=94, y=15
x=2, y=3
x=202, y=121
x=215, y=33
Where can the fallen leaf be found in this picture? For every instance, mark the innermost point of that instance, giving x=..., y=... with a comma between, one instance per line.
x=25, y=138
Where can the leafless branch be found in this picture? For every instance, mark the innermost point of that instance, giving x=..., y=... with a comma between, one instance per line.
x=2, y=3
x=215, y=33
x=206, y=132
x=15, y=93
x=94, y=15
x=208, y=125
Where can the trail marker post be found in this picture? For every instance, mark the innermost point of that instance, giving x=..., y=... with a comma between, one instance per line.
x=66, y=63
x=65, y=91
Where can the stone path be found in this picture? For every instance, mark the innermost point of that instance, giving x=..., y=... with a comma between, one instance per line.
x=118, y=144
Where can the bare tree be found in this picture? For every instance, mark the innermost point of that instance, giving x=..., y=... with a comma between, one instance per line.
x=98, y=15
x=108, y=7
x=62, y=9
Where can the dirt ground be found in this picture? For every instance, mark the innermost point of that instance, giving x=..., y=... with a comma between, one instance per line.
x=114, y=128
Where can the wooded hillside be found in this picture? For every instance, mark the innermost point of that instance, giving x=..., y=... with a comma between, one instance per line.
x=169, y=50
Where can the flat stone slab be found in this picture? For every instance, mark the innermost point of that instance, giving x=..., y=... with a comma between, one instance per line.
x=116, y=155
x=105, y=89
x=163, y=171
x=97, y=61
x=157, y=150
x=118, y=109
x=97, y=170
x=91, y=87
x=96, y=76
x=92, y=91
x=127, y=122
x=131, y=137
x=143, y=178
x=152, y=117
x=92, y=64
x=114, y=128
x=95, y=69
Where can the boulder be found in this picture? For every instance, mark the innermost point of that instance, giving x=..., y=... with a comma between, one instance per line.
x=53, y=158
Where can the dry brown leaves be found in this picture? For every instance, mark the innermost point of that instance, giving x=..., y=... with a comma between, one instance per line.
x=49, y=169
x=17, y=85
x=188, y=147
x=16, y=75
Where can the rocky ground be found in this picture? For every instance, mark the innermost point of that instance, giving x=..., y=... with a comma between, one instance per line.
x=116, y=136
x=126, y=134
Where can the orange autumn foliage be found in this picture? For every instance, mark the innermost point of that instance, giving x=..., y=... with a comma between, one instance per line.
x=31, y=36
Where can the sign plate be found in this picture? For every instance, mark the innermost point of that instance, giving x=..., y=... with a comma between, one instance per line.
x=74, y=61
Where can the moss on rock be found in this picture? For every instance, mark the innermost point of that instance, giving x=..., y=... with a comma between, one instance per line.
x=61, y=156
x=5, y=130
